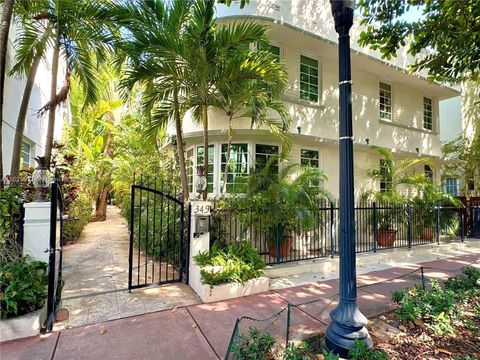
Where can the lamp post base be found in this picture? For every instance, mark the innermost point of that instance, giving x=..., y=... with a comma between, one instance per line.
x=348, y=324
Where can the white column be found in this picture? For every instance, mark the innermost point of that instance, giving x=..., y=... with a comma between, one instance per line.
x=198, y=242
x=36, y=236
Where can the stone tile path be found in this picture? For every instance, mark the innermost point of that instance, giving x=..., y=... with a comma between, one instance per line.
x=203, y=331
x=95, y=270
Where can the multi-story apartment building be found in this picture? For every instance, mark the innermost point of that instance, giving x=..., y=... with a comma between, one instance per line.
x=391, y=108
x=34, y=135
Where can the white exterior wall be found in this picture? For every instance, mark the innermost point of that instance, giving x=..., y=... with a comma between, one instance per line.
x=35, y=127
x=305, y=27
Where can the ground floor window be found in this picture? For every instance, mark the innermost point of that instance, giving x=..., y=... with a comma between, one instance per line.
x=25, y=160
x=385, y=176
x=451, y=186
x=211, y=162
x=189, y=166
x=238, y=164
x=263, y=153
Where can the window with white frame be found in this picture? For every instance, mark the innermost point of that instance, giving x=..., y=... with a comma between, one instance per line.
x=451, y=186
x=309, y=158
x=308, y=79
x=427, y=114
x=385, y=176
x=428, y=171
x=275, y=50
x=189, y=168
x=237, y=165
x=26, y=158
x=211, y=162
x=385, y=102
x=262, y=155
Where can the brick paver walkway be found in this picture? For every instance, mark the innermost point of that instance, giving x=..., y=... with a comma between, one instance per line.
x=203, y=331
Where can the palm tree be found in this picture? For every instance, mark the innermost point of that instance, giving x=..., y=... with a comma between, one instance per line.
x=256, y=99
x=153, y=51
x=210, y=60
x=4, y=31
x=79, y=38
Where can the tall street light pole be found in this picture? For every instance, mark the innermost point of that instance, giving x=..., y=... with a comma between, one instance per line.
x=348, y=323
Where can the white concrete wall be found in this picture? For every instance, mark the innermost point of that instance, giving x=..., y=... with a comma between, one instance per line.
x=35, y=127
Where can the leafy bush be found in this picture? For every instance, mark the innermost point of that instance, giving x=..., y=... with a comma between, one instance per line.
x=435, y=307
x=254, y=346
x=299, y=351
x=360, y=351
x=79, y=215
x=22, y=287
x=239, y=262
x=9, y=207
x=467, y=282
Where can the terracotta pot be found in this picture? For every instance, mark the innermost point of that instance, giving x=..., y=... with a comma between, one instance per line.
x=427, y=234
x=285, y=246
x=386, y=238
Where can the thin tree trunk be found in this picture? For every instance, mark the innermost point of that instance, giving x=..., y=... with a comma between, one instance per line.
x=205, y=147
x=4, y=31
x=22, y=116
x=229, y=146
x=101, y=204
x=180, y=149
x=53, y=97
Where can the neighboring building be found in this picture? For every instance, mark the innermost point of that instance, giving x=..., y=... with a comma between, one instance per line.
x=391, y=108
x=34, y=135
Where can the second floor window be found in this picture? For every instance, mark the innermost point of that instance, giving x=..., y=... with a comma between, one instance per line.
x=427, y=114
x=385, y=102
x=427, y=170
x=308, y=79
x=275, y=50
x=451, y=186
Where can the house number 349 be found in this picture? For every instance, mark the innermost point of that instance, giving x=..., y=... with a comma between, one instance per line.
x=201, y=209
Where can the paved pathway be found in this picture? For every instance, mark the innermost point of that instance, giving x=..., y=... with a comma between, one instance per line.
x=95, y=270
x=203, y=331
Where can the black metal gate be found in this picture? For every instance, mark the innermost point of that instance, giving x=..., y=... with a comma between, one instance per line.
x=158, y=250
x=55, y=253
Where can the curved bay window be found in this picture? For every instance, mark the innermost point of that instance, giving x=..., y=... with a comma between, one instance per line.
x=237, y=164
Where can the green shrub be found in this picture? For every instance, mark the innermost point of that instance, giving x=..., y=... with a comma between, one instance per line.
x=22, y=287
x=299, y=351
x=239, y=261
x=360, y=351
x=466, y=282
x=435, y=307
x=254, y=346
x=79, y=215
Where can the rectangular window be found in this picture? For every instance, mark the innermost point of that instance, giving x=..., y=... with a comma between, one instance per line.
x=427, y=114
x=471, y=185
x=189, y=167
x=237, y=166
x=308, y=79
x=26, y=155
x=385, y=176
x=275, y=50
x=263, y=153
x=451, y=187
x=427, y=170
x=200, y=159
x=385, y=102
x=309, y=158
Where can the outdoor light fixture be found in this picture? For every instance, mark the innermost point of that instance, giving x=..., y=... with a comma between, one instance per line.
x=299, y=130
x=348, y=323
x=367, y=140
x=417, y=150
x=201, y=181
x=41, y=178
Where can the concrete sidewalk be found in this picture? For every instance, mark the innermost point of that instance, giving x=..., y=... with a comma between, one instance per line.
x=203, y=331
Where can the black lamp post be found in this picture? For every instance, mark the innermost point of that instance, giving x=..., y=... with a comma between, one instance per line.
x=348, y=323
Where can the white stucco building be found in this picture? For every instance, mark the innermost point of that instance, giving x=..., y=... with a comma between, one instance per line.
x=34, y=135
x=391, y=108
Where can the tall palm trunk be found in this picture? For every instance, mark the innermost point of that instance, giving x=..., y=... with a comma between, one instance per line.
x=180, y=149
x=53, y=97
x=4, y=31
x=22, y=115
x=229, y=146
x=205, y=147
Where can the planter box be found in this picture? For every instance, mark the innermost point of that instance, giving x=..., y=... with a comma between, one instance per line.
x=22, y=326
x=233, y=290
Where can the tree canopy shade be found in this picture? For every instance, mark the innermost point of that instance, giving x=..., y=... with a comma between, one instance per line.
x=445, y=40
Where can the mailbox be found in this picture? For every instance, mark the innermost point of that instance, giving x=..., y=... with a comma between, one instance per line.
x=202, y=224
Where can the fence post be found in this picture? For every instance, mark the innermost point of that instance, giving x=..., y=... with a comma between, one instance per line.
x=375, y=226
x=277, y=243
x=332, y=231
x=288, y=325
x=462, y=225
x=423, y=278
x=409, y=231
x=132, y=227
x=437, y=225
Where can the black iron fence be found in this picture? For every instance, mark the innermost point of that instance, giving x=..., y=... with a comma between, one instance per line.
x=55, y=282
x=378, y=226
